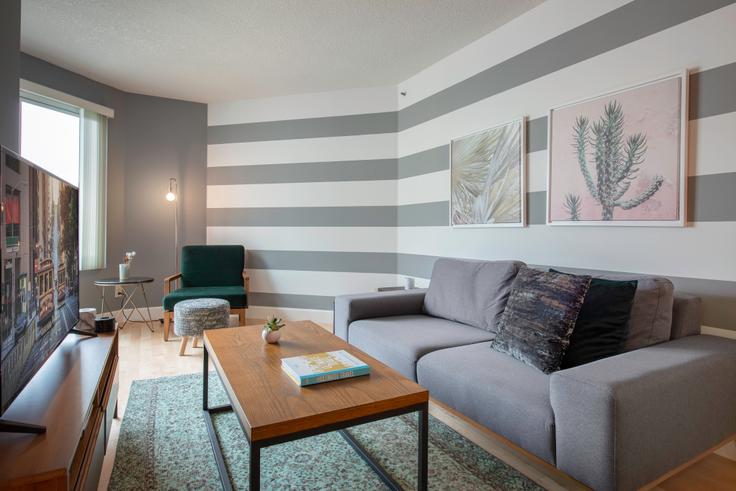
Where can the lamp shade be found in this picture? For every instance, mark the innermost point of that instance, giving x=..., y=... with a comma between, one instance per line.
x=171, y=195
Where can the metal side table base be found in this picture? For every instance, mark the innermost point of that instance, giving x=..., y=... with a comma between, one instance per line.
x=136, y=282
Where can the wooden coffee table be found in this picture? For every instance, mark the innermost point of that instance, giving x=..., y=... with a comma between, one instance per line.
x=272, y=409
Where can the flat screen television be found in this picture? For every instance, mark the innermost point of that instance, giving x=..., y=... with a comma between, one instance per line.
x=39, y=251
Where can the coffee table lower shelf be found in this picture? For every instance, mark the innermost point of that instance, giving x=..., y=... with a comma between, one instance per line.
x=255, y=447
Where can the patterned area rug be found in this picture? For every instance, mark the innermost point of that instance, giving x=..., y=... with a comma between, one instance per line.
x=163, y=444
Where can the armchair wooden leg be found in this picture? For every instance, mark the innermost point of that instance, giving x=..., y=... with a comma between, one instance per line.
x=183, y=345
x=195, y=340
x=241, y=316
x=167, y=324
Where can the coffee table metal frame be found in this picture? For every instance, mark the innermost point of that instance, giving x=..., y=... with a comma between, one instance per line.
x=137, y=282
x=341, y=427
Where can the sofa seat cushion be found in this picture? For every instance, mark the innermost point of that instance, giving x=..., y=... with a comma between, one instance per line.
x=233, y=294
x=496, y=390
x=471, y=292
x=401, y=340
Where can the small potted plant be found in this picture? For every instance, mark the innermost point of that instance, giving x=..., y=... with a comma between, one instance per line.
x=272, y=329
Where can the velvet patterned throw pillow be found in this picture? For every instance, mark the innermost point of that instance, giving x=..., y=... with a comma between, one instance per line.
x=539, y=318
x=603, y=323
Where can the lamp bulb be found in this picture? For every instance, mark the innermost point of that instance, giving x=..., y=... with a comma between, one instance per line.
x=170, y=196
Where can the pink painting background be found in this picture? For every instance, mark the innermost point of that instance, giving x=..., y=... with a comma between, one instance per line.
x=653, y=109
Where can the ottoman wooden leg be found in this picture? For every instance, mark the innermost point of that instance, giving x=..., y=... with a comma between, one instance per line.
x=183, y=345
x=195, y=341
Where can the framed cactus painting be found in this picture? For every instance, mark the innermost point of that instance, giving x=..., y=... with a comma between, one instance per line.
x=487, y=177
x=620, y=158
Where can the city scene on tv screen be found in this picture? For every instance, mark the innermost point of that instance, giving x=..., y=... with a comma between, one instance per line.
x=40, y=280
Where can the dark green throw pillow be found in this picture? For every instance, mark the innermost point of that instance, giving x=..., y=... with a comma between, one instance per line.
x=603, y=323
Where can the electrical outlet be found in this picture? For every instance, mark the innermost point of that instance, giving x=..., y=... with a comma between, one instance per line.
x=119, y=292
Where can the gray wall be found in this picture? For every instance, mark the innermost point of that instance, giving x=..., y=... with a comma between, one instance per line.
x=9, y=49
x=149, y=140
x=164, y=138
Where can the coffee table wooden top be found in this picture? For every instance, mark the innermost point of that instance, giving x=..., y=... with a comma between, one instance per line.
x=270, y=404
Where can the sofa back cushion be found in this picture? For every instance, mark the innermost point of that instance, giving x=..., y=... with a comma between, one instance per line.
x=471, y=292
x=651, y=314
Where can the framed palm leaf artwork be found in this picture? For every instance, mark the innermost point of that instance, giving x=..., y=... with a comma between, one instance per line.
x=488, y=177
x=620, y=158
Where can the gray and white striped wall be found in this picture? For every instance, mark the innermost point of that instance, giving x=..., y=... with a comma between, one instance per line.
x=347, y=191
x=308, y=184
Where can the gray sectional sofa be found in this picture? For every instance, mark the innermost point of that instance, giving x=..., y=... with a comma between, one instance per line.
x=616, y=423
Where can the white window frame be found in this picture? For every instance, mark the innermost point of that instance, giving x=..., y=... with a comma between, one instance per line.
x=59, y=101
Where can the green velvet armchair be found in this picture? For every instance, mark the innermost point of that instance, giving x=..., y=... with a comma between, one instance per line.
x=209, y=271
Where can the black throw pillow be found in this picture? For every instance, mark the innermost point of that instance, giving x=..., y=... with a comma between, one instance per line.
x=603, y=322
x=539, y=317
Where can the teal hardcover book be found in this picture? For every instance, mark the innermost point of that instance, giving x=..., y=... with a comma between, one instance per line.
x=323, y=367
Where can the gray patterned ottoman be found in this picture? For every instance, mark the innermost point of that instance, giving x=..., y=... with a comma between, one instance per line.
x=192, y=317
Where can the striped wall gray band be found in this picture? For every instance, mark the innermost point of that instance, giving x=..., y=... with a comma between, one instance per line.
x=719, y=297
x=349, y=170
x=290, y=300
x=315, y=216
x=710, y=199
x=614, y=29
x=438, y=158
x=711, y=94
x=334, y=261
x=536, y=206
x=353, y=124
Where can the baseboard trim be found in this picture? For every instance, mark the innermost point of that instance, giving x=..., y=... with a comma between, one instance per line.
x=717, y=331
x=290, y=314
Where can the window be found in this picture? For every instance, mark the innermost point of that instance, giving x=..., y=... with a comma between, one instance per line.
x=71, y=142
x=50, y=139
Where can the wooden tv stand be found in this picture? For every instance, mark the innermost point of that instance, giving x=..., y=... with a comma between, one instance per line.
x=74, y=395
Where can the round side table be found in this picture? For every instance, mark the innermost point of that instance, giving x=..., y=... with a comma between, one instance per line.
x=134, y=283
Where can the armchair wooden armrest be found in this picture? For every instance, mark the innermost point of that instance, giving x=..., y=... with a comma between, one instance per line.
x=168, y=281
x=246, y=280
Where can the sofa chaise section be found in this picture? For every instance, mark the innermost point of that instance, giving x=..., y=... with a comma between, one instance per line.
x=508, y=397
x=624, y=421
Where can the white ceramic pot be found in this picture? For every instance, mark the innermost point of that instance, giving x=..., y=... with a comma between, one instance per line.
x=270, y=336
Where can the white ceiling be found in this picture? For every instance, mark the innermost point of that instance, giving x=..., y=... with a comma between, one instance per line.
x=219, y=50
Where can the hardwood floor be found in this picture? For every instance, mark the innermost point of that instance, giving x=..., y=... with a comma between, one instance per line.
x=145, y=355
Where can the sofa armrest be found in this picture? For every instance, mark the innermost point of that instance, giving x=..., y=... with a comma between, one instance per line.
x=624, y=421
x=349, y=308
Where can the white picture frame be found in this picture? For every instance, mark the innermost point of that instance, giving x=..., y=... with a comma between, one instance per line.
x=681, y=172
x=522, y=162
